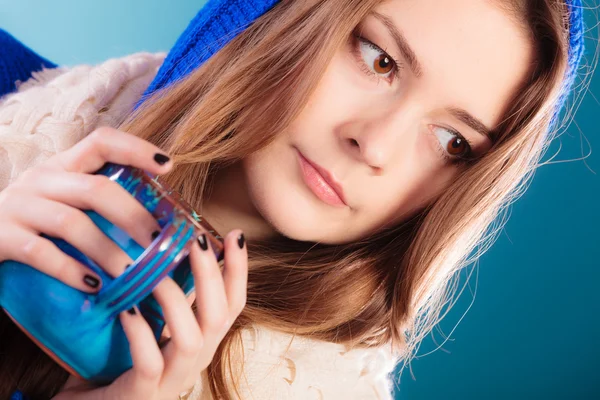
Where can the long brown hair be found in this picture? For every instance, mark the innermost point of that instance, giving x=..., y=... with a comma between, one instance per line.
x=253, y=88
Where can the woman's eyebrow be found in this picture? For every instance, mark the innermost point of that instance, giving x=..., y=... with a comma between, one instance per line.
x=472, y=122
x=402, y=43
x=417, y=69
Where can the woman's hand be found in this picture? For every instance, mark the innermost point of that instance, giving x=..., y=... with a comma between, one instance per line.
x=48, y=199
x=162, y=374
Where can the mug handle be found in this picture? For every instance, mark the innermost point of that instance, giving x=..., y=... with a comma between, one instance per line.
x=155, y=263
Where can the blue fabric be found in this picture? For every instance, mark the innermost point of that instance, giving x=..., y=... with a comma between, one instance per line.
x=17, y=62
x=576, y=50
x=213, y=27
x=18, y=396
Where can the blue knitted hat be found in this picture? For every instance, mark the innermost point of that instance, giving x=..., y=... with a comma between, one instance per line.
x=576, y=50
x=213, y=27
x=219, y=21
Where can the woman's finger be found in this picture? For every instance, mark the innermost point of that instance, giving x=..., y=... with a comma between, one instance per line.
x=71, y=224
x=143, y=380
x=211, y=302
x=102, y=195
x=110, y=145
x=186, y=343
x=21, y=245
x=235, y=274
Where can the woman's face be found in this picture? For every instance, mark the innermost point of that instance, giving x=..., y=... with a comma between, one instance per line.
x=390, y=132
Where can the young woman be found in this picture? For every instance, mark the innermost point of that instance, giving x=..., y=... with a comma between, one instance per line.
x=364, y=149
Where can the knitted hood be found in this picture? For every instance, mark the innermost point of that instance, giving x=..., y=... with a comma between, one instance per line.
x=219, y=21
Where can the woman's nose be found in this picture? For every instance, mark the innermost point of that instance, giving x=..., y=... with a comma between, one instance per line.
x=375, y=144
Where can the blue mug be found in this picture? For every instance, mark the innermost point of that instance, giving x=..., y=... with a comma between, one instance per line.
x=82, y=331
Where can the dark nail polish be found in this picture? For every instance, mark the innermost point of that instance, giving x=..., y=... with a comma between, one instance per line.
x=161, y=159
x=91, y=281
x=155, y=234
x=131, y=311
x=202, y=241
x=241, y=240
x=127, y=267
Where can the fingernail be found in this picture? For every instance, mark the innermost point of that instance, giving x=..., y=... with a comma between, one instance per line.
x=202, y=241
x=155, y=234
x=241, y=240
x=131, y=311
x=91, y=281
x=161, y=159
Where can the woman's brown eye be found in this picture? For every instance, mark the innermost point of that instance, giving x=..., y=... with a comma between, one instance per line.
x=457, y=147
x=383, y=64
x=377, y=61
x=453, y=145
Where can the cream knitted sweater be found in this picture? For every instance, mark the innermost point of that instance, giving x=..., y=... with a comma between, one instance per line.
x=58, y=107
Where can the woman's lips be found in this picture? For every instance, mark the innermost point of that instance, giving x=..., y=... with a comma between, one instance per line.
x=321, y=182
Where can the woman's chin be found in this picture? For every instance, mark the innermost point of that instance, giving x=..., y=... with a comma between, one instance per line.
x=297, y=216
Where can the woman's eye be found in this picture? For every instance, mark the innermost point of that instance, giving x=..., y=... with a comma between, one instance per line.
x=376, y=61
x=454, y=146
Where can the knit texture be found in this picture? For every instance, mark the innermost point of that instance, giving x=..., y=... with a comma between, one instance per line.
x=576, y=50
x=576, y=38
x=57, y=108
x=214, y=26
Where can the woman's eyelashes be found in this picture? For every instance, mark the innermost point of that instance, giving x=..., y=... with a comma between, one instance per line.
x=454, y=147
x=374, y=61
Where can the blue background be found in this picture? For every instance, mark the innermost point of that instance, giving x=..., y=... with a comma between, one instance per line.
x=533, y=329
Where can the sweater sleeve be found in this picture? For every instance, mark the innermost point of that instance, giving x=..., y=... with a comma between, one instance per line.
x=58, y=107
x=17, y=62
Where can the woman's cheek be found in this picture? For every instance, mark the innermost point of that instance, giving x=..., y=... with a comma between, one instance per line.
x=429, y=149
